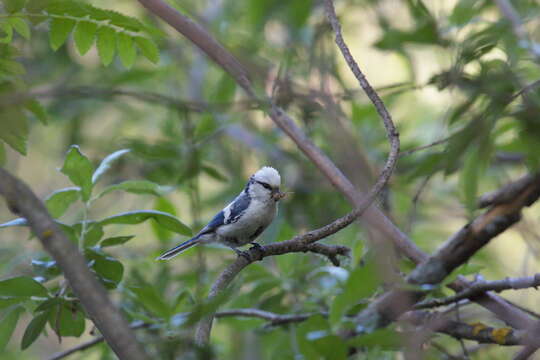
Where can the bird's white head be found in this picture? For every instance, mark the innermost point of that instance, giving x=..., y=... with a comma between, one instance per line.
x=268, y=175
x=264, y=184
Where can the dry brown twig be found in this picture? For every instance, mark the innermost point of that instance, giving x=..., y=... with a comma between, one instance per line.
x=479, y=287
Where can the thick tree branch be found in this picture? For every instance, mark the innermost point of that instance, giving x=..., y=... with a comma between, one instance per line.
x=22, y=201
x=476, y=332
x=456, y=251
x=479, y=287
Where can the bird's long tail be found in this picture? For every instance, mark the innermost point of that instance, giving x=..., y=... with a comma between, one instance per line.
x=178, y=249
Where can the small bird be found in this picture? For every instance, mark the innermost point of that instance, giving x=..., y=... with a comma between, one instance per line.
x=244, y=219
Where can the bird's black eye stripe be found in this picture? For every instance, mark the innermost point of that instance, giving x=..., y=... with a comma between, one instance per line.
x=265, y=185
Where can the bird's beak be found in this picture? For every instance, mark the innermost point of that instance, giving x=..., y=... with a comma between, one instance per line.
x=277, y=195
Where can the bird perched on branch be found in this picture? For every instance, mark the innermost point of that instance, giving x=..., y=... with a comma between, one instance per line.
x=244, y=219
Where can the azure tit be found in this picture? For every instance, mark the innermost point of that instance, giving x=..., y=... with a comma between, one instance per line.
x=244, y=219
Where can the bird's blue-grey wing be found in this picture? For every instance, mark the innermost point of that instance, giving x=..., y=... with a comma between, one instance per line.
x=237, y=208
x=216, y=222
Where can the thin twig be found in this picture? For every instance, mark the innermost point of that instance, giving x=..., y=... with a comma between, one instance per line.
x=423, y=147
x=273, y=318
x=90, y=343
x=479, y=287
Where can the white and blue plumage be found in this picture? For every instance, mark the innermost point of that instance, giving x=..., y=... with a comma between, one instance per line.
x=244, y=219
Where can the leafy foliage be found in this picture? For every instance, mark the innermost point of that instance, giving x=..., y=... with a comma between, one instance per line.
x=178, y=140
x=113, y=33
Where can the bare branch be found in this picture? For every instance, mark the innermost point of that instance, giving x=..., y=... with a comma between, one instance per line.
x=459, y=330
x=273, y=318
x=423, y=147
x=21, y=200
x=479, y=287
x=506, y=193
x=456, y=251
x=301, y=243
x=88, y=344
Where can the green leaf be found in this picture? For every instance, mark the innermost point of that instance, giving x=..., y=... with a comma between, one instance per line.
x=13, y=68
x=214, y=173
x=109, y=270
x=13, y=6
x=136, y=217
x=34, y=329
x=164, y=205
x=37, y=109
x=59, y=31
x=67, y=319
x=14, y=128
x=22, y=288
x=20, y=26
x=316, y=341
x=106, y=44
x=79, y=170
x=148, y=48
x=126, y=49
x=362, y=282
x=45, y=268
x=48, y=304
x=84, y=35
x=6, y=33
x=8, y=324
x=116, y=240
x=386, y=339
x=106, y=164
x=137, y=187
x=94, y=233
x=59, y=201
x=152, y=301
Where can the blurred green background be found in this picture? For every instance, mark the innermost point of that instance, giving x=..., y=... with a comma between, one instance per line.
x=447, y=70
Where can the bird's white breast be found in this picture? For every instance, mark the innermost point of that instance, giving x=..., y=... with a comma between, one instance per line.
x=257, y=214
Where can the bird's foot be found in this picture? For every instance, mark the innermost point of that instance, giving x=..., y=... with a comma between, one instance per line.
x=256, y=245
x=243, y=254
x=259, y=248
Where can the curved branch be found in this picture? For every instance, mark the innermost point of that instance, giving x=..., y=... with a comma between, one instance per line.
x=93, y=296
